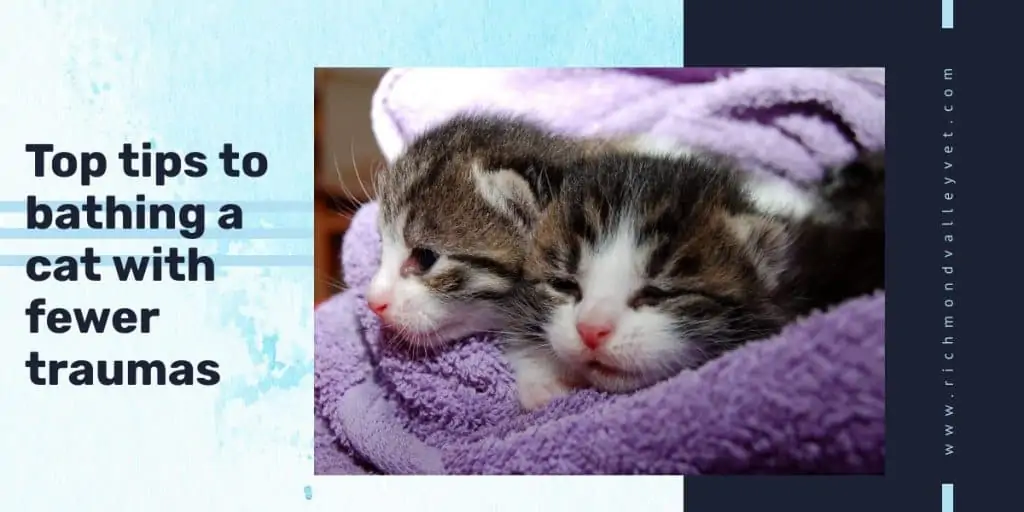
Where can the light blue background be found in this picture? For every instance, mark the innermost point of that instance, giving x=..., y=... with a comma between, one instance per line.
x=191, y=75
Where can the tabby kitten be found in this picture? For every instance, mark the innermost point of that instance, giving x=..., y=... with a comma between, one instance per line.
x=643, y=267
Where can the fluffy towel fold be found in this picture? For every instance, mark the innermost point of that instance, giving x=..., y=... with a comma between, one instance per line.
x=810, y=399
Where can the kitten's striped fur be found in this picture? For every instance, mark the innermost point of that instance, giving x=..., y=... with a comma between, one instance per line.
x=688, y=258
x=463, y=198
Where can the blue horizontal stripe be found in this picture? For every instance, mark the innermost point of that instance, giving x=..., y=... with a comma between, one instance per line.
x=255, y=206
x=221, y=234
x=223, y=260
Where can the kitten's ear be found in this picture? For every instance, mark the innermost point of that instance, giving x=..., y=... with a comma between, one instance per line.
x=507, y=192
x=764, y=241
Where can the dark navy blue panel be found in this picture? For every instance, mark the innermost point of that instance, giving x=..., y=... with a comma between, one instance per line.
x=976, y=144
x=794, y=32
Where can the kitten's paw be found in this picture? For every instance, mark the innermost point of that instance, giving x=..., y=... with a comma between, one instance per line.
x=536, y=393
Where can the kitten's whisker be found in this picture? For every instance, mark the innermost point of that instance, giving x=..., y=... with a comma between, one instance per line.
x=506, y=333
x=346, y=215
x=341, y=181
x=336, y=284
x=346, y=211
x=437, y=342
x=355, y=167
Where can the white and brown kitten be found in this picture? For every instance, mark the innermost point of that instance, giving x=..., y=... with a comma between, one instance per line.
x=643, y=267
x=456, y=212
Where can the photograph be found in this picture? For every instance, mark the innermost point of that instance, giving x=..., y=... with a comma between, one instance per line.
x=599, y=271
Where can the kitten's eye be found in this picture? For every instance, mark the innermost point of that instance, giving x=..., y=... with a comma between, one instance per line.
x=423, y=257
x=418, y=263
x=650, y=296
x=566, y=286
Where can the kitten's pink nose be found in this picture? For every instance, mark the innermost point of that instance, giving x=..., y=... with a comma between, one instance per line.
x=594, y=335
x=378, y=305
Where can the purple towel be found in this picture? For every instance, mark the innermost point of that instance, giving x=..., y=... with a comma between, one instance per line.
x=809, y=400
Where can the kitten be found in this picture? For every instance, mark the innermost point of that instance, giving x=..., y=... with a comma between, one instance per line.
x=456, y=211
x=644, y=267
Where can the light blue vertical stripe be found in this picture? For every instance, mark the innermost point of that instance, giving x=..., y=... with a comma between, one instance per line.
x=947, y=497
x=947, y=17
